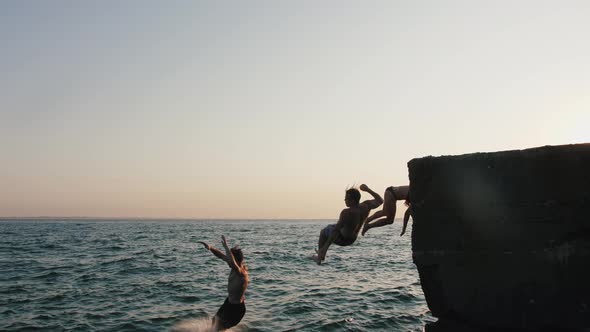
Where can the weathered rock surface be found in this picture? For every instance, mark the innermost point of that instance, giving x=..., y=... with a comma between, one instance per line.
x=502, y=240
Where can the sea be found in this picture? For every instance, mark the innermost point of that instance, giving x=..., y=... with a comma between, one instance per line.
x=153, y=275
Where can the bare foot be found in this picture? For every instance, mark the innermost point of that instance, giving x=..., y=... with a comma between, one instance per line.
x=365, y=229
x=316, y=259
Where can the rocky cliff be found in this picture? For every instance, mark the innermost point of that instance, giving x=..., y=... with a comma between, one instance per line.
x=502, y=240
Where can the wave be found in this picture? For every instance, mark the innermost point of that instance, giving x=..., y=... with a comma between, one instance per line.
x=46, y=275
x=187, y=298
x=118, y=260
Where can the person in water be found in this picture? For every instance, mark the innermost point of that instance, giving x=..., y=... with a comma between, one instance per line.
x=387, y=214
x=346, y=230
x=233, y=309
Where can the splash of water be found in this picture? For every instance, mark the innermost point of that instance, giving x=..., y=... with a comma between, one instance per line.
x=193, y=325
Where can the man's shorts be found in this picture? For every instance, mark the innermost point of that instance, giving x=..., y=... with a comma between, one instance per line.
x=340, y=240
x=230, y=314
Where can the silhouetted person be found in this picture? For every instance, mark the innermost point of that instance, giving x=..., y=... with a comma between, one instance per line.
x=233, y=309
x=387, y=214
x=346, y=230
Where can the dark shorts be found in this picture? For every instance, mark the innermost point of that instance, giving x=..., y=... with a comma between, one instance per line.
x=340, y=240
x=230, y=314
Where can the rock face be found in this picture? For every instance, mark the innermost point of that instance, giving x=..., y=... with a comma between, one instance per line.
x=502, y=240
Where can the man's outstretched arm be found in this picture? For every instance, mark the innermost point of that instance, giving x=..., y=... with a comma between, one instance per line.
x=230, y=259
x=406, y=218
x=214, y=251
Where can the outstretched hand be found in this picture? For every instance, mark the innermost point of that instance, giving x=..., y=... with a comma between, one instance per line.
x=224, y=241
x=364, y=187
x=208, y=247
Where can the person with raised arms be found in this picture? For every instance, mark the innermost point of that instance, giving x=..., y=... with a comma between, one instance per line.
x=233, y=309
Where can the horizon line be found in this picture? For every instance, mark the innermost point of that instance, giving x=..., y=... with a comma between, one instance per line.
x=147, y=218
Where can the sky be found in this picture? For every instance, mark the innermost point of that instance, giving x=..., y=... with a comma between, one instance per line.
x=271, y=109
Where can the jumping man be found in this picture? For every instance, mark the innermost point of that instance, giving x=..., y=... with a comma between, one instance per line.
x=233, y=309
x=346, y=230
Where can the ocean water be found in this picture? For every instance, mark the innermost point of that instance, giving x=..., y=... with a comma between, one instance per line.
x=97, y=275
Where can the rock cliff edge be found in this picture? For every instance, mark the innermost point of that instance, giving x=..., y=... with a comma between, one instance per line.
x=502, y=239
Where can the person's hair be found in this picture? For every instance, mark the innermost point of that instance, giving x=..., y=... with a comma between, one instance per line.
x=354, y=194
x=238, y=255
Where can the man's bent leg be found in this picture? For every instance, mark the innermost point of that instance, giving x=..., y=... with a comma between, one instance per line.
x=388, y=211
x=375, y=215
x=324, y=234
x=322, y=242
x=381, y=222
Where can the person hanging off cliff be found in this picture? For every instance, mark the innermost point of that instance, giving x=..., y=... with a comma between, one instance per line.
x=351, y=219
x=387, y=214
x=233, y=309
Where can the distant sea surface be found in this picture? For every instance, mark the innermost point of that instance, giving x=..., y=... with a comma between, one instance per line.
x=109, y=275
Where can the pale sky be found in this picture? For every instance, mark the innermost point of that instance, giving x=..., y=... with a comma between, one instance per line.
x=270, y=109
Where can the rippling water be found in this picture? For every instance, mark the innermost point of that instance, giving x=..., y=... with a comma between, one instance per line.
x=152, y=276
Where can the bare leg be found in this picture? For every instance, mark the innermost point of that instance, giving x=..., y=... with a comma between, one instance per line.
x=388, y=212
x=375, y=215
x=321, y=242
x=322, y=239
x=381, y=222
